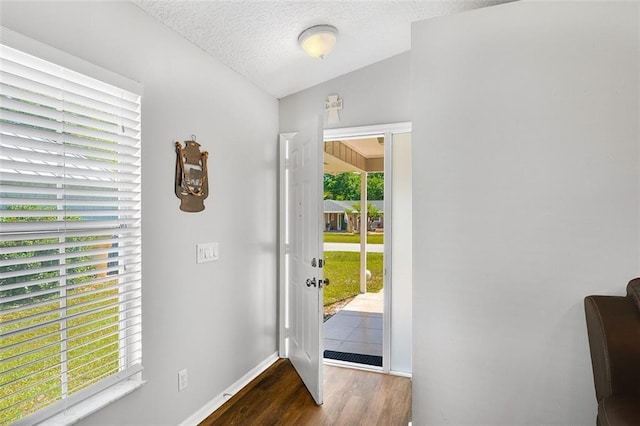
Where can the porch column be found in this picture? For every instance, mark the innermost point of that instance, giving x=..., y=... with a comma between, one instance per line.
x=363, y=232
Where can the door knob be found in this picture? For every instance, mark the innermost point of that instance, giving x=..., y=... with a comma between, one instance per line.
x=311, y=282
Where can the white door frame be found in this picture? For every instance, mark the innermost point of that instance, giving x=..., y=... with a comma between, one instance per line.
x=360, y=132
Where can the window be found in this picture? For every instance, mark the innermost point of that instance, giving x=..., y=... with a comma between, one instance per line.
x=70, y=246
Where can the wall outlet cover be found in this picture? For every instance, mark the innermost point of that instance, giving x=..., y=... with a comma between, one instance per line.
x=182, y=380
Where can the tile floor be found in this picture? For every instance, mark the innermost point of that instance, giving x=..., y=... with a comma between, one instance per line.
x=357, y=328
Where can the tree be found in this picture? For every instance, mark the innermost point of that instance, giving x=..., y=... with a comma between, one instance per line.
x=342, y=186
x=372, y=212
x=346, y=186
x=375, y=186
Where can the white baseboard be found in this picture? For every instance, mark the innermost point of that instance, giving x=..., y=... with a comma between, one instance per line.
x=401, y=374
x=216, y=402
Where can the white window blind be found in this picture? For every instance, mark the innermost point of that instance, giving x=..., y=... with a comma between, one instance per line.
x=70, y=248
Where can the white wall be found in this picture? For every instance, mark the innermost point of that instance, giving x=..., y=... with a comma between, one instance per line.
x=401, y=256
x=526, y=194
x=218, y=319
x=377, y=94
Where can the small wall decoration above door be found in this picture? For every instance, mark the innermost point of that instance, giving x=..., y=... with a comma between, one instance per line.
x=332, y=105
x=192, y=182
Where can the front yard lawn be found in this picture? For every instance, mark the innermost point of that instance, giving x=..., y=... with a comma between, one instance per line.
x=331, y=237
x=343, y=270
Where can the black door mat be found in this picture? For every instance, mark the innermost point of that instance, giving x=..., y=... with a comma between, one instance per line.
x=357, y=358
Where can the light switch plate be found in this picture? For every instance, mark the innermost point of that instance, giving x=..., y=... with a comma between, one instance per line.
x=206, y=252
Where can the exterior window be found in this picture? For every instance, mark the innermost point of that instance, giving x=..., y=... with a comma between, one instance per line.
x=70, y=239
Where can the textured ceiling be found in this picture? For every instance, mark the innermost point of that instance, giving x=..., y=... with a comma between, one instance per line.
x=259, y=39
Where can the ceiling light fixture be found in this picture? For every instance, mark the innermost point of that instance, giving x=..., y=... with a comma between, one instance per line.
x=318, y=41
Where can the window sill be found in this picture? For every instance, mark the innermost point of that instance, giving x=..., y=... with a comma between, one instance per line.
x=91, y=405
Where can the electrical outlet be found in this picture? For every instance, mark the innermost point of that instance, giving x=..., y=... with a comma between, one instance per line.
x=182, y=380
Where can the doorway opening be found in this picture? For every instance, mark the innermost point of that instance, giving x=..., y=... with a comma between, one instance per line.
x=301, y=261
x=354, y=234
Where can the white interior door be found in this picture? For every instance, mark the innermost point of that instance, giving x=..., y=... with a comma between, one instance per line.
x=302, y=250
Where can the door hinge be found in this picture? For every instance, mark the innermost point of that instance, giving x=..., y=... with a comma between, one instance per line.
x=287, y=248
x=286, y=332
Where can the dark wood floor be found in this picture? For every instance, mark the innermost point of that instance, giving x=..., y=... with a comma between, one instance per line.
x=351, y=397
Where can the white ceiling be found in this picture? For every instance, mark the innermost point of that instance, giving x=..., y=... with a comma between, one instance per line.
x=259, y=39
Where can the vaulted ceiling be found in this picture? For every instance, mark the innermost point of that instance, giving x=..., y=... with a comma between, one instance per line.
x=259, y=39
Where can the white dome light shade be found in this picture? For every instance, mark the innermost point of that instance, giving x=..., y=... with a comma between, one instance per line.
x=318, y=41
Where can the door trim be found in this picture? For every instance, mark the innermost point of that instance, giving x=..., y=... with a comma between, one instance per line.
x=387, y=131
x=363, y=131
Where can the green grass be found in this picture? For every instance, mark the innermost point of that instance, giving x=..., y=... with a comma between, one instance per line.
x=330, y=237
x=30, y=374
x=343, y=270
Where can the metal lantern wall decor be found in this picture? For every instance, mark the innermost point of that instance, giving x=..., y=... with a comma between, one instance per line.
x=192, y=182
